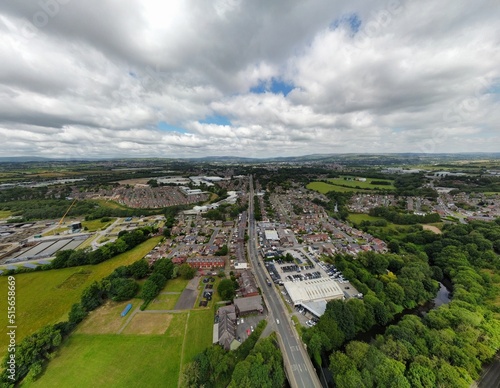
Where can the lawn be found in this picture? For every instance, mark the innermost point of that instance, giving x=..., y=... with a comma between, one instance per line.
x=46, y=297
x=362, y=185
x=94, y=225
x=110, y=204
x=357, y=218
x=324, y=188
x=176, y=285
x=115, y=361
x=199, y=333
x=4, y=214
x=163, y=302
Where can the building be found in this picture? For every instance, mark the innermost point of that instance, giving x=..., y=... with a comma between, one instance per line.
x=249, y=305
x=206, y=262
x=227, y=329
x=248, y=286
x=271, y=235
x=313, y=294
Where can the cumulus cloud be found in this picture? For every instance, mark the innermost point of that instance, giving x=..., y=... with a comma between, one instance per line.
x=259, y=78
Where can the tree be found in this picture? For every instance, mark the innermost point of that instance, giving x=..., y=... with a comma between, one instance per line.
x=149, y=290
x=77, y=313
x=123, y=289
x=139, y=269
x=226, y=289
x=186, y=271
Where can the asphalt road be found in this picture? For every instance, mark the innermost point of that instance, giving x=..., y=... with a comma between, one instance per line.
x=300, y=370
x=490, y=377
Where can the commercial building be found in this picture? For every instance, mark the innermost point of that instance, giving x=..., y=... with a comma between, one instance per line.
x=313, y=294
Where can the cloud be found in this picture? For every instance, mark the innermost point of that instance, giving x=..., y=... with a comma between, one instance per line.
x=287, y=77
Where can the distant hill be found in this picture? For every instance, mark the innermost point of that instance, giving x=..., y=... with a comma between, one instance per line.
x=21, y=159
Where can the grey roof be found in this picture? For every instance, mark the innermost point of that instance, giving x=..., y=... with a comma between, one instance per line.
x=248, y=304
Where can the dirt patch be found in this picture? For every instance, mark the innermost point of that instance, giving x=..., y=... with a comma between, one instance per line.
x=432, y=229
x=148, y=323
x=104, y=320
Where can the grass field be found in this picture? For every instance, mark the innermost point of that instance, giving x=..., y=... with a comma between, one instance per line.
x=357, y=218
x=107, y=319
x=131, y=360
x=176, y=285
x=46, y=297
x=363, y=185
x=199, y=333
x=110, y=204
x=94, y=225
x=115, y=361
x=163, y=302
x=4, y=214
x=324, y=188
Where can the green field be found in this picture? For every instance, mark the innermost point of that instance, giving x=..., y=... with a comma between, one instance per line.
x=357, y=218
x=127, y=360
x=109, y=360
x=4, y=214
x=176, y=285
x=46, y=297
x=163, y=302
x=324, y=188
x=199, y=333
x=362, y=185
x=94, y=225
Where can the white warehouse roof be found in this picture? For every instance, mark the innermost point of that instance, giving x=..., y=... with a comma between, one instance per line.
x=313, y=290
x=271, y=235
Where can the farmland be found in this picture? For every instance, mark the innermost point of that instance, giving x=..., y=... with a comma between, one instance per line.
x=46, y=297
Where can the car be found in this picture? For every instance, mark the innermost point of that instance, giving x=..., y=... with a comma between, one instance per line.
x=242, y=320
x=278, y=321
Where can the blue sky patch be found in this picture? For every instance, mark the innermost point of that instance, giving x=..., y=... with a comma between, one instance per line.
x=216, y=119
x=352, y=20
x=163, y=126
x=277, y=86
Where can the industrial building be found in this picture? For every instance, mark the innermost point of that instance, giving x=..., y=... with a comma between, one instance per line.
x=313, y=294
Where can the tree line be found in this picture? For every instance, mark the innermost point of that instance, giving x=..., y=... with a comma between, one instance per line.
x=449, y=345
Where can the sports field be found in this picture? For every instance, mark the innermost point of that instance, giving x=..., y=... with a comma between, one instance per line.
x=134, y=358
x=46, y=297
x=324, y=188
x=352, y=182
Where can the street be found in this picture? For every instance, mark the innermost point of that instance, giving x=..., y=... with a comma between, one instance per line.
x=300, y=371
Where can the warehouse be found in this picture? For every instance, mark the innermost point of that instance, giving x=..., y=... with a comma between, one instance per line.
x=314, y=293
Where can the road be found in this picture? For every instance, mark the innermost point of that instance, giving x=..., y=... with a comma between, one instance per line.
x=490, y=378
x=300, y=371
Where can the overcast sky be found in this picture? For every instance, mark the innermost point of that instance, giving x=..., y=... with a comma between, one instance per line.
x=179, y=78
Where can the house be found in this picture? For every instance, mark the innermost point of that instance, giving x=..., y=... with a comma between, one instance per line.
x=206, y=262
x=248, y=286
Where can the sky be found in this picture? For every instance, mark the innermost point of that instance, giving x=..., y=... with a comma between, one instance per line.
x=255, y=78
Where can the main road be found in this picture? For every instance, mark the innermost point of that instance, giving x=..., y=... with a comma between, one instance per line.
x=300, y=371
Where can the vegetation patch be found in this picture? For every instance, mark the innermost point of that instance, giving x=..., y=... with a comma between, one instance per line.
x=148, y=323
x=75, y=280
x=324, y=188
x=106, y=319
x=114, y=361
x=163, y=302
x=41, y=302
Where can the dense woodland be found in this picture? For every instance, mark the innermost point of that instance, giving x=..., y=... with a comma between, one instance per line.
x=448, y=346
